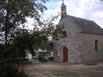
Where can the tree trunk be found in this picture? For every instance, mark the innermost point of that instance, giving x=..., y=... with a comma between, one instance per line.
x=6, y=28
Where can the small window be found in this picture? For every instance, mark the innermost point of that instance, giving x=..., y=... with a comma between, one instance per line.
x=64, y=34
x=96, y=45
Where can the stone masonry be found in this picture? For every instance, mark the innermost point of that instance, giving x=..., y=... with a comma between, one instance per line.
x=81, y=39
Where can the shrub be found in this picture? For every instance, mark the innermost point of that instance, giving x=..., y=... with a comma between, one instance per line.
x=10, y=70
x=50, y=59
x=42, y=59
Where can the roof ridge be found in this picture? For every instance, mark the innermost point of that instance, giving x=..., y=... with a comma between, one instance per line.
x=80, y=18
x=86, y=25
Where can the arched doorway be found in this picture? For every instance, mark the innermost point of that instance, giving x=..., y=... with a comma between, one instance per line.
x=65, y=55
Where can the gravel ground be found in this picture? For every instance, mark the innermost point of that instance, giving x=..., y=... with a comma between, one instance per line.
x=63, y=70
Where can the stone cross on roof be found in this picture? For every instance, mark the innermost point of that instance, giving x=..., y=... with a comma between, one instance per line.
x=63, y=9
x=62, y=1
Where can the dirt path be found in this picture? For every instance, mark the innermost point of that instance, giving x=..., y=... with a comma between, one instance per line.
x=63, y=70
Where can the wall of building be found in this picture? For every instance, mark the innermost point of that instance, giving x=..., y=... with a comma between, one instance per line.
x=71, y=42
x=73, y=50
x=87, y=48
x=81, y=46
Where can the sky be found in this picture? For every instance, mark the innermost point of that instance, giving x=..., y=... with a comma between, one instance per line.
x=87, y=9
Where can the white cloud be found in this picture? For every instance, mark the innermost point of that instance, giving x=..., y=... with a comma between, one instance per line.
x=89, y=9
x=29, y=23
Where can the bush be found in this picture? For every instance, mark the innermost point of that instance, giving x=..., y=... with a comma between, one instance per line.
x=22, y=61
x=42, y=59
x=10, y=70
x=50, y=59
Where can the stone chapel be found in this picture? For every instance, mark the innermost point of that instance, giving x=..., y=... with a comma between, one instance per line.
x=80, y=42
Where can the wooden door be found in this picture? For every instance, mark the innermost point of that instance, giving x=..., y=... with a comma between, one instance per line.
x=65, y=55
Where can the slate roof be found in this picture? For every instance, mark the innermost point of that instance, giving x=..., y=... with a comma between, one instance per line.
x=87, y=26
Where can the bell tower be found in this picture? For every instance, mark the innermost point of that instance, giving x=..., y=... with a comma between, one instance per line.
x=63, y=9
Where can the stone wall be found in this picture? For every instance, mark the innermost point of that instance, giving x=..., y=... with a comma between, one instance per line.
x=71, y=42
x=87, y=48
x=81, y=46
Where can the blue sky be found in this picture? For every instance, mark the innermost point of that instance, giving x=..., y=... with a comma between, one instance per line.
x=88, y=9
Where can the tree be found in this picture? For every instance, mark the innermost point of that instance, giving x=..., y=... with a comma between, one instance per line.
x=37, y=39
x=8, y=69
x=14, y=12
x=31, y=41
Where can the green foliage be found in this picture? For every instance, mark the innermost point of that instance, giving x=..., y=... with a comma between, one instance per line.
x=13, y=54
x=31, y=41
x=50, y=58
x=1, y=49
x=10, y=70
x=13, y=13
x=59, y=32
x=40, y=40
x=42, y=56
x=56, y=32
x=42, y=59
